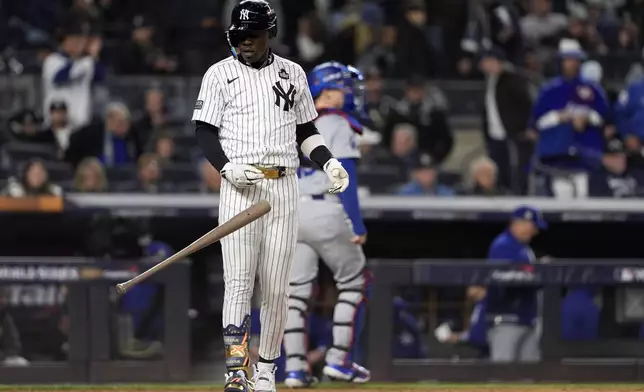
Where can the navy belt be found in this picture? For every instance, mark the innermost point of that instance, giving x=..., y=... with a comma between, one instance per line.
x=318, y=197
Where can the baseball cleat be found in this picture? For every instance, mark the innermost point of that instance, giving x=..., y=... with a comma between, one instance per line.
x=264, y=380
x=299, y=379
x=237, y=382
x=351, y=373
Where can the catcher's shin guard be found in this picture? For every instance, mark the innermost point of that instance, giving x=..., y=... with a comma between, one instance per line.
x=296, y=332
x=236, y=344
x=348, y=319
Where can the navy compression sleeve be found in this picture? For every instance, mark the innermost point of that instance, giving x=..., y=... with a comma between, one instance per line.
x=208, y=139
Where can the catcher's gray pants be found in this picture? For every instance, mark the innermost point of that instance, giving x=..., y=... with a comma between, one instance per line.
x=324, y=232
x=513, y=343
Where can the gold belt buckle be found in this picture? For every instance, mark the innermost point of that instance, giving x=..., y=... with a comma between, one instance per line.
x=271, y=172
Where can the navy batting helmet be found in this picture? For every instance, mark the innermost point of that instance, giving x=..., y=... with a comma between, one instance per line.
x=251, y=15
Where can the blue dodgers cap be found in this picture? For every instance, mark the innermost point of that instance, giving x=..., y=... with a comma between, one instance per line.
x=532, y=214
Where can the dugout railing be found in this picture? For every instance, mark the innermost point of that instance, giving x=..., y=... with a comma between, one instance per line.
x=90, y=303
x=610, y=360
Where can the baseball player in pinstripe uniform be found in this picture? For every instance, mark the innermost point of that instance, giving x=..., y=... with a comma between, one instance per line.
x=252, y=112
x=335, y=88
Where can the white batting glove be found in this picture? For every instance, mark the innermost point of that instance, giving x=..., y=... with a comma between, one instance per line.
x=338, y=176
x=240, y=175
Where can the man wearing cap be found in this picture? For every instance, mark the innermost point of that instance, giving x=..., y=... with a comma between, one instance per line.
x=616, y=179
x=425, y=108
x=511, y=312
x=569, y=115
x=68, y=75
x=424, y=179
x=505, y=116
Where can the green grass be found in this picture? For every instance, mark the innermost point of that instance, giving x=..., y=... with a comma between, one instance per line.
x=393, y=386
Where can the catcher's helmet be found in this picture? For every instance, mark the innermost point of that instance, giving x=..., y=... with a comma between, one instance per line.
x=333, y=75
x=251, y=15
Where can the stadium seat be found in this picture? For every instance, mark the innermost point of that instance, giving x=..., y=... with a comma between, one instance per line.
x=59, y=171
x=180, y=173
x=19, y=152
x=380, y=178
x=121, y=173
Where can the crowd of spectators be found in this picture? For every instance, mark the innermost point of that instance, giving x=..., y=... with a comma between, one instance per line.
x=66, y=145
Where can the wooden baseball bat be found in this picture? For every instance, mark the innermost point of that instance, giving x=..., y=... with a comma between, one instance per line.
x=238, y=221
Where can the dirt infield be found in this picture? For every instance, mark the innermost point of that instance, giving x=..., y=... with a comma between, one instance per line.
x=371, y=388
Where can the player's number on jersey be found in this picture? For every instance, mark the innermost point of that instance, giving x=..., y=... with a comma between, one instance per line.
x=305, y=172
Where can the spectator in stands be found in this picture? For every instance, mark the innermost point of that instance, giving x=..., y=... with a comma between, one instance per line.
x=10, y=345
x=629, y=120
x=412, y=50
x=165, y=148
x=586, y=34
x=59, y=132
x=197, y=38
x=68, y=75
x=142, y=55
x=424, y=180
x=33, y=181
x=149, y=175
x=494, y=23
x=352, y=36
x=426, y=109
x=24, y=126
x=310, y=39
x=627, y=40
x=404, y=144
x=154, y=119
x=90, y=176
x=570, y=115
x=210, y=177
x=505, y=117
x=381, y=59
x=542, y=26
x=111, y=141
x=373, y=98
x=483, y=177
x=615, y=179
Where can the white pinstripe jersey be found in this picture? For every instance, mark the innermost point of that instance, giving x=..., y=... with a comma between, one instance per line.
x=256, y=110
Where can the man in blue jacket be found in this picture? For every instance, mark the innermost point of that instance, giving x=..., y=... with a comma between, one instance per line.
x=511, y=312
x=570, y=115
x=629, y=117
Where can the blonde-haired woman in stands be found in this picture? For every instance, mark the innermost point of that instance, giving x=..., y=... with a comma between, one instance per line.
x=90, y=176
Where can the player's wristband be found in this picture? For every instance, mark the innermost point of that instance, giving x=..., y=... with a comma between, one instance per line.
x=315, y=149
x=321, y=155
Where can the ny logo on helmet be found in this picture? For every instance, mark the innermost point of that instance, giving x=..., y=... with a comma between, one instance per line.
x=244, y=14
x=287, y=95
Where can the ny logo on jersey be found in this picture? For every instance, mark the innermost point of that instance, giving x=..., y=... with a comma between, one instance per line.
x=287, y=96
x=244, y=14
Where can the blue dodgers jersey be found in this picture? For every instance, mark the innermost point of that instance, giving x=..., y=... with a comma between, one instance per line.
x=577, y=97
x=518, y=303
x=629, y=110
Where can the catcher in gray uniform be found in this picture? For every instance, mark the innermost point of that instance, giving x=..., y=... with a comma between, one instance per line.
x=330, y=228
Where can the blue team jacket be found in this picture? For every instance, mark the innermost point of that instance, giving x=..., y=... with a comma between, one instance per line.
x=559, y=144
x=579, y=315
x=629, y=110
x=519, y=304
